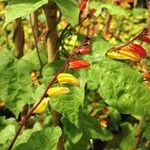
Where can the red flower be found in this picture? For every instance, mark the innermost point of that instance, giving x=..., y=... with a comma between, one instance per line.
x=147, y=76
x=78, y=64
x=84, y=50
x=83, y=5
x=136, y=48
x=145, y=39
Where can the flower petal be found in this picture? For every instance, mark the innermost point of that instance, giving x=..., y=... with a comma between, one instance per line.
x=64, y=78
x=139, y=50
x=55, y=91
x=41, y=107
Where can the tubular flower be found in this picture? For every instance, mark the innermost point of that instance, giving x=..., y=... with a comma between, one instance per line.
x=84, y=50
x=136, y=48
x=57, y=91
x=41, y=107
x=123, y=54
x=64, y=78
x=145, y=39
x=78, y=64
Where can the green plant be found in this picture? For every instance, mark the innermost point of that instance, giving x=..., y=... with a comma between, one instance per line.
x=66, y=84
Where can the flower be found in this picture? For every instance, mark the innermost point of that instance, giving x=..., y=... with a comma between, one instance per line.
x=123, y=54
x=145, y=38
x=64, y=78
x=84, y=50
x=41, y=107
x=55, y=91
x=78, y=64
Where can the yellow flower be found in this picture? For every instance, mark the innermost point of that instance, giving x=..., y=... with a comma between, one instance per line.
x=123, y=53
x=64, y=78
x=42, y=106
x=57, y=91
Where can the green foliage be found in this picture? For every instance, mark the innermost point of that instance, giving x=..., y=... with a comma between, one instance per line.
x=7, y=131
x=112, y=9
x=16, y=8
x=15, y=82
x=107, y=83
x=121, y=86
x=43, y=140
x=70, y=10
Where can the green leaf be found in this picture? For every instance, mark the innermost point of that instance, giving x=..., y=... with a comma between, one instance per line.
x=24, y=137
x=46, y=139
x=15, y=82
x=72, y=132
x=19, y=8
x=121, y=86
x=128, y=140
x=146, y=133
x=92, y=129
x=70, y=9
x=99, y=49
x=7, y=131
x=112, y=9
x=32, y=58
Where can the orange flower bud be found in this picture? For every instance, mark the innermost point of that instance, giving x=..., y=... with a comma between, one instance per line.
x=105, y=110
x=78, y=64
x=104, y=122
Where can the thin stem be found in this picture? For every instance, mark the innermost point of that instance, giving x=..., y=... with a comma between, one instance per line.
x=131, y=41
x=66, y=31
x=139, y=132
x=35, y=42
x=23, y=122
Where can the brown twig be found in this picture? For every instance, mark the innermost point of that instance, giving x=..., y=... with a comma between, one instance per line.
x=35, y=41
x=45, y=92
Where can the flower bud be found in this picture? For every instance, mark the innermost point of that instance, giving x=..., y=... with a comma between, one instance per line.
x=64, y=78
x=83, y=50
x=55, y=91
x=145, y=39
x=42, y=106
x=78, y=64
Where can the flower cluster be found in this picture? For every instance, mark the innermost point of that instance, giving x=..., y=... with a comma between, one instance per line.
x=65, y=78
x=133, y=52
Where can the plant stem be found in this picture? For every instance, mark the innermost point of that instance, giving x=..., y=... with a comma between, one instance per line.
x=18, y=37
x=139, y=132
x=50, y=10
x=35, y=41
x=23, y=122
x=131, y=41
